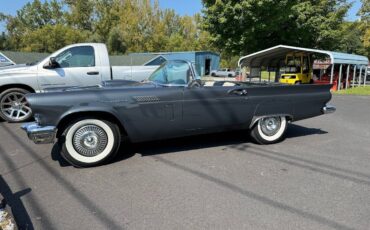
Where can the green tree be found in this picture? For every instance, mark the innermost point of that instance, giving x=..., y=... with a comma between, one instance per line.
x=33, y=16
x=364, y=11
x=2, y=41
x=116, y=43
x=107, y=14
x=364, y=14
x=125, y=26
x=245, y=26
x=80, y=14
x=350, y=41
x=48, y=38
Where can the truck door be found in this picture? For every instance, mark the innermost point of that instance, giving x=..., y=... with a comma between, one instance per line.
x=76, y=66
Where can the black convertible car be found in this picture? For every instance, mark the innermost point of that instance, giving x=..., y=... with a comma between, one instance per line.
x=89, y=122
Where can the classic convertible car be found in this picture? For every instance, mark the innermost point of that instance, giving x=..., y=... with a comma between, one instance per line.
x=89, y=122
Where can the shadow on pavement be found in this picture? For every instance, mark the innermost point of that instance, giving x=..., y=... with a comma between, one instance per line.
x=251, y=195
x=55, y=155
x=128, y=149
x=80, y=197
x=203, y=141
x=16, y=205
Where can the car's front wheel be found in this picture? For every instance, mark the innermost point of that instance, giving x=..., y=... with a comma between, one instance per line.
x=269, y=130
x=90, y=142
x=14, y=106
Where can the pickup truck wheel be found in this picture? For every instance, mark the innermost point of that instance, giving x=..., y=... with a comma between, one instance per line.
x=90, y=142
x=14, y=106
x=269, y=130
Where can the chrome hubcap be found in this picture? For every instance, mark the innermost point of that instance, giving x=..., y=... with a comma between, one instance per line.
x=90, y=140
x=15, y=106
x=270, y=125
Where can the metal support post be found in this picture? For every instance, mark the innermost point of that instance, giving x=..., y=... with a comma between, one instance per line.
x=359, y=76
x=365, y=77
x=340, y=76
x=347, y=78
x=332, y=73
x=354, y=76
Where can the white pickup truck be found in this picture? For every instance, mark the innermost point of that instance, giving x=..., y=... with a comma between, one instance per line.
x=84, y=64
x=223, y=73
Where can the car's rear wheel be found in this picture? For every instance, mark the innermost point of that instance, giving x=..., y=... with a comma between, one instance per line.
x=269, y=130
x=14, y=106
x=89, y=142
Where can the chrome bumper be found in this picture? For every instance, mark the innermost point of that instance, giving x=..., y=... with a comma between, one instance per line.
x=40, y=134
x=328, y=109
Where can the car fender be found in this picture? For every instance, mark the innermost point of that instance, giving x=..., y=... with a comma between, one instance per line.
x=89, y=110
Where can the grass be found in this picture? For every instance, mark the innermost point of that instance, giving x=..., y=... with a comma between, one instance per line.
x=362, y=90
x=265, y=75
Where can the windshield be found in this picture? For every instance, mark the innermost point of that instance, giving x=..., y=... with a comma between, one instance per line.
x=172, y=72
x=289, y=69
x=293, y=65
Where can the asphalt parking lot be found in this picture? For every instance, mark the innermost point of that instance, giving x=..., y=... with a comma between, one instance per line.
x=318, y=178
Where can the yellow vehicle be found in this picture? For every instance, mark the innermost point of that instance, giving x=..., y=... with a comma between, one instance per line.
x=297, y=69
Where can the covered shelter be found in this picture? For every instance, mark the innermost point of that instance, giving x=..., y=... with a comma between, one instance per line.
x=274, y=56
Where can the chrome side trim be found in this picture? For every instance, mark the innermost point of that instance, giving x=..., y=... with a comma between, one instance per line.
x=40, y=134
x=328, y=109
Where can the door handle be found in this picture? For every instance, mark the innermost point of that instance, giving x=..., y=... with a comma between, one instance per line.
x=239, y=92
x=93, y=73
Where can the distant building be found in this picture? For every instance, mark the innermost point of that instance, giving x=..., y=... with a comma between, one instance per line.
x=205, y=61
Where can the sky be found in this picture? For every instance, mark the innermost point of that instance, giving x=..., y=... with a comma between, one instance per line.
x=182, y=7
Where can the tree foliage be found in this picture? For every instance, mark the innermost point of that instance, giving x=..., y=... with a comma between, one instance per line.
x=245, y=26
x=364, y=25
x=125, y=26
x=231, y=27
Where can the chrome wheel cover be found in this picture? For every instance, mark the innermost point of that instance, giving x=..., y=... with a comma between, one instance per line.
x=270, y=125
x=90, y=140
x=15, y=106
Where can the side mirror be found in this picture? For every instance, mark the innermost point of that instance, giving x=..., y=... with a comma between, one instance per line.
x=52, y=64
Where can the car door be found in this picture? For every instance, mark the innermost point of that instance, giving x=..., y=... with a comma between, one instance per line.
x=156, y=112
x=76, y=66
x=213, y=108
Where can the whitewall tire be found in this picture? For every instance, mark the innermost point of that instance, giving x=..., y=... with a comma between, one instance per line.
x=269, y=130
x=89, y=142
